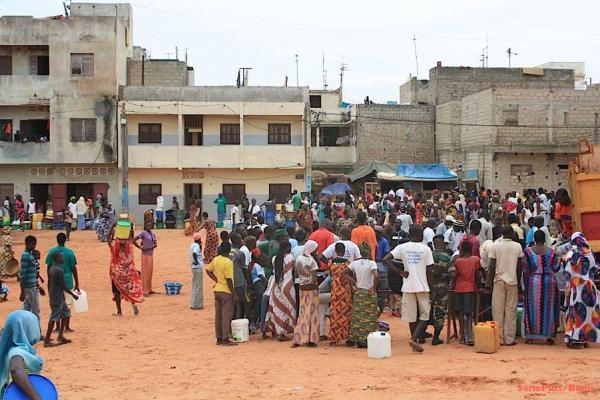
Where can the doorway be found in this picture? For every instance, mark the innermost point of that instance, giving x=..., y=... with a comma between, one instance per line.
x=192, y=192
x=40, y=192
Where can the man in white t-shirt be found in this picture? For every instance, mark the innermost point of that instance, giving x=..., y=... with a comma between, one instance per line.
x=195, y=252
x=417, y=260
x=254, y=209
x=505, y=270
x=31, y=208
x=429, y=233
x=405, y=219
x=235, y=215
x=351, y=250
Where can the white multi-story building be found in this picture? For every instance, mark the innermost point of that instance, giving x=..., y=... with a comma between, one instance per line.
x=195, y=142
x=59, y=81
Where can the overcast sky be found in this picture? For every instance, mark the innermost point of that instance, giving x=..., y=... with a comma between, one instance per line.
x=374, y=38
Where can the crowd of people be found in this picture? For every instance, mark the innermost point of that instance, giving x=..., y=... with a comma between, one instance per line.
x=425, y=258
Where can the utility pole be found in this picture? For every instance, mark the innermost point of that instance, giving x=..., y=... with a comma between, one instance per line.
x=124, y=163
x=297, y=77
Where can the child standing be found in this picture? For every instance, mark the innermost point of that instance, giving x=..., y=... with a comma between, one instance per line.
x=30, y=294
x=466, y=275
x=149, y=243
x=197, y=281
x=68, y=222
x=60, y=313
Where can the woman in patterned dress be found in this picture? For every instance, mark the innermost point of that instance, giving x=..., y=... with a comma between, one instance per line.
x=340, y=309
x=306, y=330
x=582, y=300
x=281, y=317
x=6, y=249
x=541, y=291
x=211, y=242
x=365, y=311
x=126, y=280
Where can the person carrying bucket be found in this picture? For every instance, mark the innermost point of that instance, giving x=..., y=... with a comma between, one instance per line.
x=126, y=281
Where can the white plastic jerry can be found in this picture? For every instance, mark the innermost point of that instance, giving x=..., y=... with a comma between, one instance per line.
x=379, y=345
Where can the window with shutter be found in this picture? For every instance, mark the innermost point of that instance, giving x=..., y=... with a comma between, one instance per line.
x=230, y=133
x=83, y=130
x=280, y=192
x=5, y=65
x=234, y=192
x=148, y=193
x=150, y=133
x=82, y=64
x=280, y=134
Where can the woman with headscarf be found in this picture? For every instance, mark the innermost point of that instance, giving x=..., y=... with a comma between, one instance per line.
x=126, y=280
x=306, y=330
x=582, y=300
x=211, y=242
x=461, y=204
x=305, y=218
x=541, y=291
x=193, y=226
x=17, y=355
x=6, y=249
x=20, y=209
x=281, y=316
x=81, y=210
x=363, y=272
x=104, y=223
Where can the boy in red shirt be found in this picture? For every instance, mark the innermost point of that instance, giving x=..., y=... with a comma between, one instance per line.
x=465, y=277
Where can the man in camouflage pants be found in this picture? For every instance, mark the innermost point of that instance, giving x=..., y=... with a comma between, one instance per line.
x=441, y=270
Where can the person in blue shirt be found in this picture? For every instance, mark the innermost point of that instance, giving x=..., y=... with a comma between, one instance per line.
x=30, y=294
x=383, y=248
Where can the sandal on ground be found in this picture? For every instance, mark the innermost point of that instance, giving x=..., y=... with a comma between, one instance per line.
x=228, y=343
x=64, y=341
x=50, y=344
x=415, y=346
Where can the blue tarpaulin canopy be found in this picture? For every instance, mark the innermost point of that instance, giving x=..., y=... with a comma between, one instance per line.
x=334, y=189
x=424, y=172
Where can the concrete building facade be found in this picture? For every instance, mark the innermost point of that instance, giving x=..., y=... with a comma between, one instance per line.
x=517, y=138
x=394, y=133
x=60, y=78
x=333, y=132
x=196, y=142
x=453, y=83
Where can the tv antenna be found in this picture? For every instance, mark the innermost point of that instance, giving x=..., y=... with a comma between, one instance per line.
x=324, y=73
x=510, y=53
x=297, y=77
x=416, y=58
x=343, y=68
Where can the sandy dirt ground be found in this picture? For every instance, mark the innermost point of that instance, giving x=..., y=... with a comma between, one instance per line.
x=169, y=351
